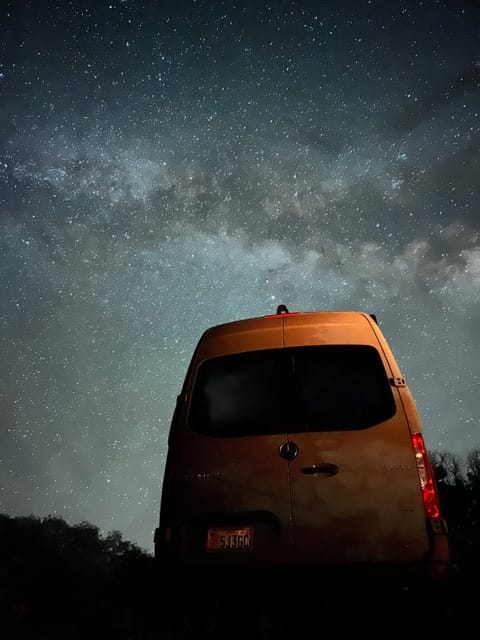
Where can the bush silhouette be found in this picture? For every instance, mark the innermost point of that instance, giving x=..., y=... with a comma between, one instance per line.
x=63, y=581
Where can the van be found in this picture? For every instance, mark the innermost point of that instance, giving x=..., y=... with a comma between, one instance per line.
x=296, y=444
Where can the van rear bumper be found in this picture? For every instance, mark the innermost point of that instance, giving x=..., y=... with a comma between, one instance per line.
x=309, y=596
x=418, y=578
x=435, y=568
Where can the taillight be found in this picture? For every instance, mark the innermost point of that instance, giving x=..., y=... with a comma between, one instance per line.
x=427, y=479
x=290, y=313
x=283, y=311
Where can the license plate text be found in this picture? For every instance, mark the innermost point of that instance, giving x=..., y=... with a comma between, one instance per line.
x=229, y=539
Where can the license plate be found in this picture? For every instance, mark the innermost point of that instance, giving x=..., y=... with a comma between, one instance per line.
x=230, y=539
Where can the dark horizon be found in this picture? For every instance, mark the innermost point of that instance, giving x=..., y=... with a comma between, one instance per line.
x=58, y=579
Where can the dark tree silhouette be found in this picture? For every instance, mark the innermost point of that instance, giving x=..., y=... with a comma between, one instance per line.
x=63, y=581
x=458, y=480
x=453, y=488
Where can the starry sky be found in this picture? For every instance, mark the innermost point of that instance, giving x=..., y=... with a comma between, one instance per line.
x=166, y=166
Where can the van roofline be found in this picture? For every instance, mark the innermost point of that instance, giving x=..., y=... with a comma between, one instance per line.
x=282, y=310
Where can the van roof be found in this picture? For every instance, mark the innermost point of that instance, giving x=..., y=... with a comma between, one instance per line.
x=282, y=310
x=286, y=328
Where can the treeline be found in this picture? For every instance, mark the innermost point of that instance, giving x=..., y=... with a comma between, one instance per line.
x=458, y=479
x=68, y=581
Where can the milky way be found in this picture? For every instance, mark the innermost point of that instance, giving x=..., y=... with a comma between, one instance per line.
x=169, y=166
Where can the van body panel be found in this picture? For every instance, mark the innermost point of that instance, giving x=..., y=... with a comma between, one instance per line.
x=354, y=515
x=232, y=482
x=325, y=327
x=238, y=336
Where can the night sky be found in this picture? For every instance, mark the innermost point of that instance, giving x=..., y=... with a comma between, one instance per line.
x=166, y=166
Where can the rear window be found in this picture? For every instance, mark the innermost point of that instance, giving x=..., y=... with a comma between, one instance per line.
x=293, y=390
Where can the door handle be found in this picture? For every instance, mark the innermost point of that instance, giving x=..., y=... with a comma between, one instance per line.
x=326, y=468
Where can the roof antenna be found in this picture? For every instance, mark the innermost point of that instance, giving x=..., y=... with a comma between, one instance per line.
x=281, y=309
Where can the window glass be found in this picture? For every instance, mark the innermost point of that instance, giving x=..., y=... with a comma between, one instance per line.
x=320, y=388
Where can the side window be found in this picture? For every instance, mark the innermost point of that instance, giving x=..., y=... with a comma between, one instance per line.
x=319, y=388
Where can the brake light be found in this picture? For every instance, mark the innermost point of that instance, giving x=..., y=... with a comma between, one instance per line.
x=283, y=311
x=427, y=479
x=290, y=313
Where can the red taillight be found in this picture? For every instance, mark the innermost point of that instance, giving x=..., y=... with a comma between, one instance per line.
x=427, y=479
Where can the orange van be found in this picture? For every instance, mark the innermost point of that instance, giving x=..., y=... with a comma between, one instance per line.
x=296, y=443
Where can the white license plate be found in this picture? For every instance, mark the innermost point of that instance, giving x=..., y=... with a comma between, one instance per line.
x=230, y=539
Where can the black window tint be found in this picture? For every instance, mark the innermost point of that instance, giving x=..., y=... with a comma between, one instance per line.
x=321, y=388
x=239, y=394
x=341, y=387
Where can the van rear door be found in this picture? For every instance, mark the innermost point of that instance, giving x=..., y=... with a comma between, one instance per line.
x=228, y=486
x=355, y=492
